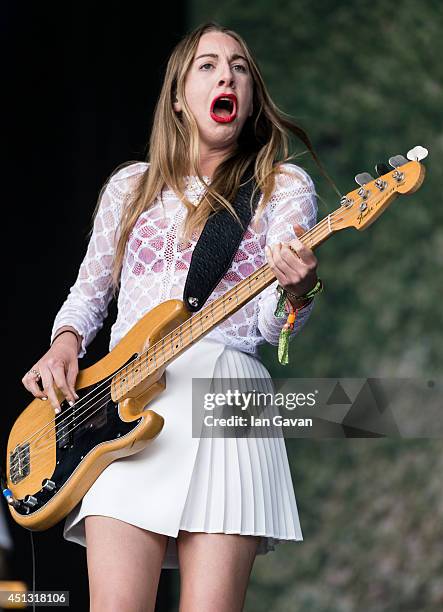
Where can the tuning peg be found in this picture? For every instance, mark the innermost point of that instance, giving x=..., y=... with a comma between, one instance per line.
x=397, y=160
x=417, y=153
x=363, y=178
x=382, y=169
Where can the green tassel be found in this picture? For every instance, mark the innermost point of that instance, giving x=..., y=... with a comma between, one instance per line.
x=283, y=346
x=280, y=311
x=283, y=340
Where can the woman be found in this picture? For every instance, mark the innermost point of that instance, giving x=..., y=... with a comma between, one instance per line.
x=210, y=504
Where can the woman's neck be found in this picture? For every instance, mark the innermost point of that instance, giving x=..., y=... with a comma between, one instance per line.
x=210, y=159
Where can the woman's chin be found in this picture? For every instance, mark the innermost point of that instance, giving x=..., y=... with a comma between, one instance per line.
x=217, y=137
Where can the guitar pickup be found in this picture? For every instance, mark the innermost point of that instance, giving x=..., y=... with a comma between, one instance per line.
x=64, y=433
x=20, y=462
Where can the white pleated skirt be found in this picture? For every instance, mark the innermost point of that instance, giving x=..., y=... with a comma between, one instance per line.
x=237, y=485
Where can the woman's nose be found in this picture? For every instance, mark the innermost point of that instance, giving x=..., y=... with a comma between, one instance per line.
x=226, y=77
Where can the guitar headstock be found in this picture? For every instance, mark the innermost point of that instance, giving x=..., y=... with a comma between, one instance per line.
x=361, y=207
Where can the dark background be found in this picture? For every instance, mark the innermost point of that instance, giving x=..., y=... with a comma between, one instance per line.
x=83, y=85
x=364, y=79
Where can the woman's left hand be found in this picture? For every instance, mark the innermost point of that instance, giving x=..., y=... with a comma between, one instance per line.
x=296, y=272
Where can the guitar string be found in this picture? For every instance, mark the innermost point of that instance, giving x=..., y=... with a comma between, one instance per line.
x=186, y=337
x=43, y=449
x=317, y=229
x=314, y=232
x=259, y=271
x=189, y=322
x=73, y=418
x=153, y=349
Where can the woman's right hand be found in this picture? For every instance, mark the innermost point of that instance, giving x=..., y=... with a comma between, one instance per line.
x=59, y=367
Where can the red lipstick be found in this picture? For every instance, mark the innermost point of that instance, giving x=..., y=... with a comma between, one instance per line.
x=226, y=104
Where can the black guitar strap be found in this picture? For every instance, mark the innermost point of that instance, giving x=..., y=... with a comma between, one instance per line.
x=218, y=244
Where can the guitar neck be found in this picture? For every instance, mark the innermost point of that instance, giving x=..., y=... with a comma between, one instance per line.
x=359, y=208
x=173, y=344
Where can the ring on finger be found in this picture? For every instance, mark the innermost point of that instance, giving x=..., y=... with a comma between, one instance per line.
x=36, y=373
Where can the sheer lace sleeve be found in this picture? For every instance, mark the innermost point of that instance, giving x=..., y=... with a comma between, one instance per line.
x=293, y=202
x=86, y=305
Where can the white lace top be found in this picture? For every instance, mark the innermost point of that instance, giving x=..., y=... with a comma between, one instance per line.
x=156, y=263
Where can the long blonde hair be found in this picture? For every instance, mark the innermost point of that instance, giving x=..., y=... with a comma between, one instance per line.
x=174, y=148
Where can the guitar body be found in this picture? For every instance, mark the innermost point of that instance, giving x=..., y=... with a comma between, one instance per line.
x=52, y=462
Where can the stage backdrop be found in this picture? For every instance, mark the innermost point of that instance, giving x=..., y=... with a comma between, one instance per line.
x=364, y=80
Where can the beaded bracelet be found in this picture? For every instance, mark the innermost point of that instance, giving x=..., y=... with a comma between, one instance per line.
x=318, y=288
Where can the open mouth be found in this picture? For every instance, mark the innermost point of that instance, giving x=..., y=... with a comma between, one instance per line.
x=224, y=108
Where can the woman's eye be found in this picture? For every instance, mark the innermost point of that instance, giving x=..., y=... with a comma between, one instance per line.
x=238, y=67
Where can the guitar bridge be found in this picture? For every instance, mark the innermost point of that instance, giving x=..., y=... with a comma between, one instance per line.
x=20, y=462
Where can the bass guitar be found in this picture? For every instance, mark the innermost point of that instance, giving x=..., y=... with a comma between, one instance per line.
x=52, y=461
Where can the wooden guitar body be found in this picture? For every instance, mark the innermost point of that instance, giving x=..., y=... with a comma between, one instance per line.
x=52, y=462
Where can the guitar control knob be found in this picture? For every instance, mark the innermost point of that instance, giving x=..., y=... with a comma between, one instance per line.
x=48, y=485
x=30, y=501
x=10, y=498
